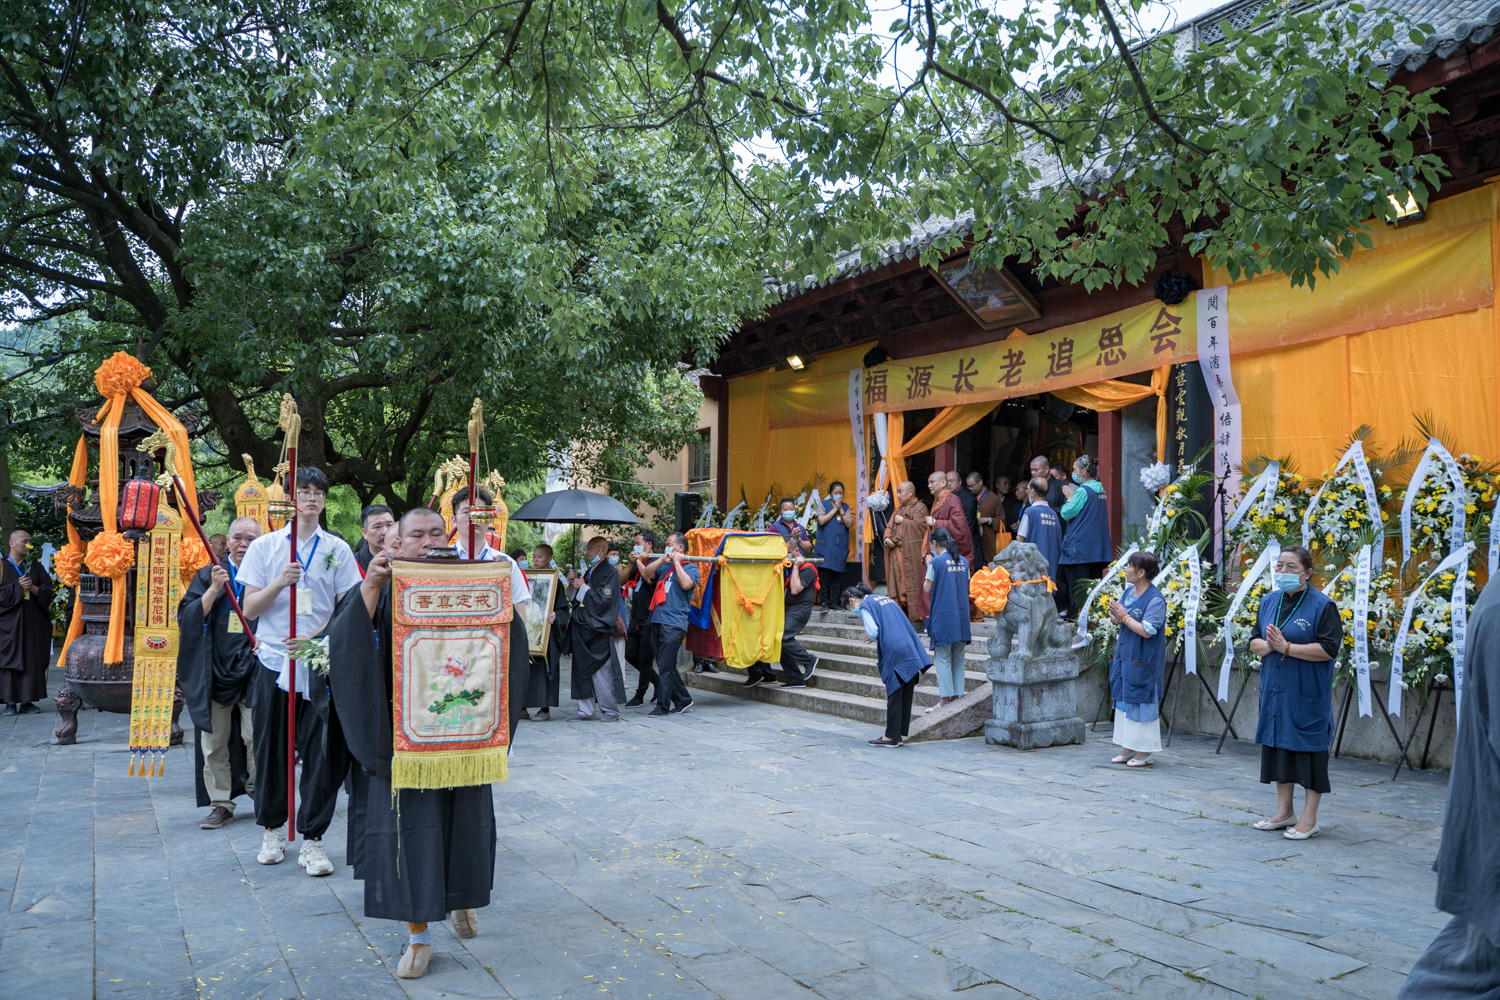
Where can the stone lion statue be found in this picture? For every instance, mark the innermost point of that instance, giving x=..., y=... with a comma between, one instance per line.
x=1030, y=611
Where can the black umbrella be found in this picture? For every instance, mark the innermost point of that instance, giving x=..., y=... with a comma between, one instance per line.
x=575, y=507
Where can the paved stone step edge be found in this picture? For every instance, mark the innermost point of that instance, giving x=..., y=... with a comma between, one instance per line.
x=865, y=685
x=868, y=666
x=855, y=649
x=846, y=706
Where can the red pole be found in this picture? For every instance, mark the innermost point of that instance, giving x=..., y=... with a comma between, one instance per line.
x=291, y=701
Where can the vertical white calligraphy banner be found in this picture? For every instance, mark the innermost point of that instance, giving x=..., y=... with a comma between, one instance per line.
x=1190, y=609
x=1213, y=362
x=861, y=467
x=1361, y=625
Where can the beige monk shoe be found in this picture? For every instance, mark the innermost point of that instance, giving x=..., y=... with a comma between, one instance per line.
x=414, y=961
x=465, y=923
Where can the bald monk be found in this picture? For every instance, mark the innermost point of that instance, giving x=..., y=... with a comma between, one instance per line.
x=904, y=534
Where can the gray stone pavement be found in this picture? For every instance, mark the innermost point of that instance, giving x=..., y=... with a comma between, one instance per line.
x=740, y=851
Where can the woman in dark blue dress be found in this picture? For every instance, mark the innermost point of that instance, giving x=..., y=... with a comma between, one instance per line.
x=898, y=655
x=1297, y=634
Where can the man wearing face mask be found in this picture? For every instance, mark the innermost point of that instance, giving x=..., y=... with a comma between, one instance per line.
x=640, y=635
x=1086, y=547
x=675, y=581
x=787, y=527
x=592, y=638
x=835, y=519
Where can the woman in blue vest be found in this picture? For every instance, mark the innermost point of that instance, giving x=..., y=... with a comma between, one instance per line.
x=832, y=544
x=1138, y=671
x=898, y=655
x=947, y=589
x=1086, y=548
x=1297, y=634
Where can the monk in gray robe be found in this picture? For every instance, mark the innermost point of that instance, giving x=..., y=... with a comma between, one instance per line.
x=1463, y=962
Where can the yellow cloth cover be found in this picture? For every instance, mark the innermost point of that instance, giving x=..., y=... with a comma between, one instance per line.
x=450, y=648
x=752, y=604
x=158, y=590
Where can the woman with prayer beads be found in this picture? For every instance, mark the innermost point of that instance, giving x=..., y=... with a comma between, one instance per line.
x=1297, y=633
x=1137, y=671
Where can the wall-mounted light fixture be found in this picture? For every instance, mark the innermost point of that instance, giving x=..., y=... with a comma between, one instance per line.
x=795, y=360
x=1407, y=211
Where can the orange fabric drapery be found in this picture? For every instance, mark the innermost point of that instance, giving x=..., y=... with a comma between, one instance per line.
x=950, y=422
x=1113, y=394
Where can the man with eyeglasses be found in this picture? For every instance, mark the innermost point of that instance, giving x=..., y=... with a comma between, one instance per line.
x=324, y=570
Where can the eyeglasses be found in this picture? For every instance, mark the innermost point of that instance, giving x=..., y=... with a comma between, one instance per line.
x=310, y=495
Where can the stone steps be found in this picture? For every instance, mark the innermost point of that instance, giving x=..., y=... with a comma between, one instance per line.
x=854, y=650
x=868, y=684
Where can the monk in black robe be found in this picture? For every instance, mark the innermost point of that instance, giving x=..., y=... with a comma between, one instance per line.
x=25, y=627
x=593, y=637
x=428, y=853
x=215, y=667
x=544, y=673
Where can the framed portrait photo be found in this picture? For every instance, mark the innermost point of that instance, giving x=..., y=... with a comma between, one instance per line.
x=543, y=597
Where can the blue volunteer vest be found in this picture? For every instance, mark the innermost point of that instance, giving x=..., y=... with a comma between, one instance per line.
x=1087, y=539
x=948, y=619
x=1296, y=696
x=832, y=543
x=1137, y=673
x=1044, y=530
x=898, y=652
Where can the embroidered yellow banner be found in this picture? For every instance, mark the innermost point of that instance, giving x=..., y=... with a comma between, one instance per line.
x=1435, y=269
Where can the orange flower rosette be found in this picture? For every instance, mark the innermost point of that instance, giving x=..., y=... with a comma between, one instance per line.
x=191, y=557
x=68, y=562
x=111, y=554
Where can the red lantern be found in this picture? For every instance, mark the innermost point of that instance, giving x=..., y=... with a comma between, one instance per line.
x=138, y=511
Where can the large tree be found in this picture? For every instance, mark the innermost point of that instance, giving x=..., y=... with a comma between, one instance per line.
x=1080, y=139
x=161, y=195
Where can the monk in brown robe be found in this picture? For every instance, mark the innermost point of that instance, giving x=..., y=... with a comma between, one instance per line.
x=905, y=534
x=948, y=512
x=990, y=512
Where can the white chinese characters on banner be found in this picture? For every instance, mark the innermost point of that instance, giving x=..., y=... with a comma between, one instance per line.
x=1213, y=362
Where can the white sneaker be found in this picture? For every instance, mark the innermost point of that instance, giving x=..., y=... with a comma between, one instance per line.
x=314, y=859
x=272, y=849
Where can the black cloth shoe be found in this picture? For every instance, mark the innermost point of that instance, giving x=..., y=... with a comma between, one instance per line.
x=753, y=680
x=709, y=668
x=684, y=708
x=635, y=702
x=10, y=709
x=657, y=713
x=794, y=684
x=29, y=709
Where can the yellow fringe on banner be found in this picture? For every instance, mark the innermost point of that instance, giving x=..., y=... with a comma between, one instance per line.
x=439, y=769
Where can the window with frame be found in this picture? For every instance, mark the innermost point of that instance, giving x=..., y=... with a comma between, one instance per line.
x=700, y=458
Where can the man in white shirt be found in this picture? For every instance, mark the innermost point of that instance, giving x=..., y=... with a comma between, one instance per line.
x=323, y=571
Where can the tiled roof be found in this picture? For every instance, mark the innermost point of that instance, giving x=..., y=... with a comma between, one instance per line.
x=1455, y=22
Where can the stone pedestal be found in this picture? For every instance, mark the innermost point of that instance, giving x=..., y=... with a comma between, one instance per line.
x=1034, y=701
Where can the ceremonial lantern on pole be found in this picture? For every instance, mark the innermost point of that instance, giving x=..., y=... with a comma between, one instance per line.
x=100, y=652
